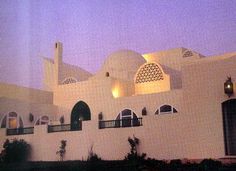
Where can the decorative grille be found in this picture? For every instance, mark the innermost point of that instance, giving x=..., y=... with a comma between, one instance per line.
x=149, y=72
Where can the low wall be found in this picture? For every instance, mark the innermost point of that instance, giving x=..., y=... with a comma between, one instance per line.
x=160, y=137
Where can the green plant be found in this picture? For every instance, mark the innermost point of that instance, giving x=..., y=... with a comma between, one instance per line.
x=15, y=151
x=176, y=163
x=92, y=157
x=209, y=164
x=62, y=150
x=134, y=155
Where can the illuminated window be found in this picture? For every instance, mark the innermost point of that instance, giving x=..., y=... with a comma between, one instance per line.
x=166, y=109
x=127, y=118
x=12, y=120
x=148, y=73
x=43, y=120
x=69, y=80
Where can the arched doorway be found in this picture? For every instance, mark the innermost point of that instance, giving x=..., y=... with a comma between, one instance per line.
x=229, y=122
x=80, y=112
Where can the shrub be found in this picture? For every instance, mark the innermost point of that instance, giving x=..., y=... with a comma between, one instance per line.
x=176, y=163
x=62, y=150
x=15, y=151
x=92, y=157
x=134, y=155
x=157, y=164
x=209, y=164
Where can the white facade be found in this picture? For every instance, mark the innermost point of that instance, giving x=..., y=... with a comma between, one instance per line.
x=171, y=100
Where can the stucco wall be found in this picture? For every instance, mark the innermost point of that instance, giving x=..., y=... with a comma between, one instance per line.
x=203, y=94
x=195, y=131
x=98, y=96
x=25, y=94
x=23, y=109
x=161, y=136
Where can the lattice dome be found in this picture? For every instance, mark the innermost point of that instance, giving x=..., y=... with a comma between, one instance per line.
x=69, y=81
x=187, y=54
x=148, y=73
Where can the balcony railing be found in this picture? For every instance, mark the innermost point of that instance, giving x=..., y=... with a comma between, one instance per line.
x=64, y=127
x=20, y=131
x=120, y=123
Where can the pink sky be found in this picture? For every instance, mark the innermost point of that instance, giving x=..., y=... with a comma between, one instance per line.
x=92, y=29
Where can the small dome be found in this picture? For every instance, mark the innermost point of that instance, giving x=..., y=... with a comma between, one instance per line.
x=123, y=64
x=124, y=59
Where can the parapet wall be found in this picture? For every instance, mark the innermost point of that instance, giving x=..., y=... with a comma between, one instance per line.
x=160, y=137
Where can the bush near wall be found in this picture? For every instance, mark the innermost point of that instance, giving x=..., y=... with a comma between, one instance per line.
x=148, y=165
x=15, y=151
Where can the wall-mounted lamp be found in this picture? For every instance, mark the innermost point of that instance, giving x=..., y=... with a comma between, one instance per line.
x=144, y=111
x=100, y=116
x=228, y=87
x=31, y=117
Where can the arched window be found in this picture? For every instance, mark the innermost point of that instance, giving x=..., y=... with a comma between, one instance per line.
x=127, y=118
x=69, y=80
x=12, y=120
x=148, y=73
x=166, y=109
x=43, y=120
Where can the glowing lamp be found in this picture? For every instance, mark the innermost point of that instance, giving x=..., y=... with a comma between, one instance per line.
x=228, y=87
x=115, y=92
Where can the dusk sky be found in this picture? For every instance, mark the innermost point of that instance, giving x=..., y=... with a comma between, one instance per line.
x=92, y=29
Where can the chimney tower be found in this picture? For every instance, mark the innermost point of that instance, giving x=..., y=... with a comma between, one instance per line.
x=57, y=62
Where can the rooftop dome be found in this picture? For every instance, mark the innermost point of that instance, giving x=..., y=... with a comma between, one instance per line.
x=124, y=60
x=123, y=64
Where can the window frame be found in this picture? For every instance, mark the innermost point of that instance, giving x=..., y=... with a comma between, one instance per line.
x=124, y=118
x=172, y=111
x=40, y=120
x=7, y=118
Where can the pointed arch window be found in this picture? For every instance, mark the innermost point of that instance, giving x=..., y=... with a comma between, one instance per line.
x=166, y=109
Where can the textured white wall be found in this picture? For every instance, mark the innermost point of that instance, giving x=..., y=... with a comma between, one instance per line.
x=196, y=131
x=161, y=137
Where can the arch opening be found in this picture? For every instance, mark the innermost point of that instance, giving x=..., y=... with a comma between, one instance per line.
x=229, y=124
x=127, y=118
x=43, y=120
x=80, y=112
x=11, y=121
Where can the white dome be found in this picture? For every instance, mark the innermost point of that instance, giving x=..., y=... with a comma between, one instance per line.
x=123, y=64
x=124, y=59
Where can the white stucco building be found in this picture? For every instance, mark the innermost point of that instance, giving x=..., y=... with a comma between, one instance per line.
x=173, y=101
